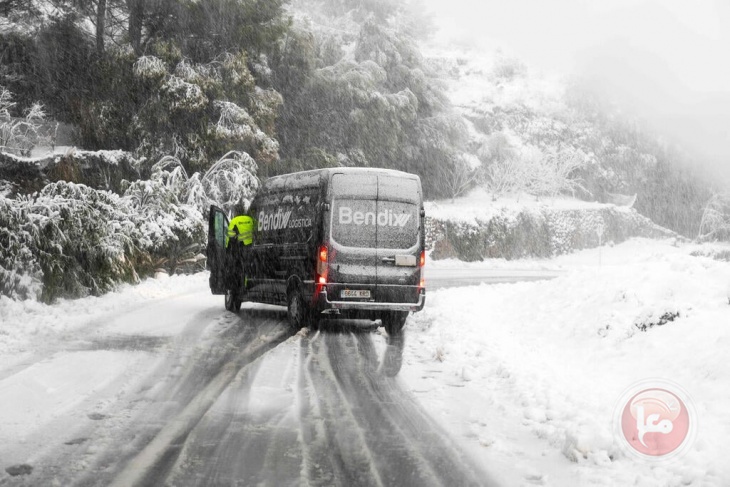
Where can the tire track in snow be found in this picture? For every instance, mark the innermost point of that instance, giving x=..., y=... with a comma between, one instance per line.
x=407, y=447
x=318, y=411
x=282, y=439
x=153, y=463
x=251, y=432
x=350, y=455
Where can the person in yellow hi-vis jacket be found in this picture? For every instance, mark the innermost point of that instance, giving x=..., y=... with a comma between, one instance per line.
x=238, y=239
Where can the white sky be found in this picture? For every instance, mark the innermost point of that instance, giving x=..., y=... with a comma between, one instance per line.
x=668, y=60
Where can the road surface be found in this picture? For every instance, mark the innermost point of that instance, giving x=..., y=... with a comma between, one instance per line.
x=181, y=392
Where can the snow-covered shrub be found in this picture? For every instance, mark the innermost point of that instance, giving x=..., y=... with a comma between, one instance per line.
x=67, y=240
x=150, y=68
x=505, y=176
x=455, y=179
x=171, y=206
x=70, y=240
x=552, y=171
x=538, y=171
x=7, y=188
x=508, y=68
x=510, y=233
x=21, y=276
x=715, y=223
x=229, y=181
x=171, y=231
x=20, y=135
x=180, y=95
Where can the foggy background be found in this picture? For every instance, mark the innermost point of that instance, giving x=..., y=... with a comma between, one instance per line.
x=666, y=62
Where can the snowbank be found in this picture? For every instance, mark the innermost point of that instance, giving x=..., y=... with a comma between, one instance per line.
x=529, y=374
x=26, y=326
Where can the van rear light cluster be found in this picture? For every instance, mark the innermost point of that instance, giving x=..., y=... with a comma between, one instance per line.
x=322, y=264
x=421, y=265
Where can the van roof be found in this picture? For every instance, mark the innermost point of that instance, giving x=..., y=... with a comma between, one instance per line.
x=314, y=177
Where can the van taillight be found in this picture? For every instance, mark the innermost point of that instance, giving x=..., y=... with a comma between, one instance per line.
x=421, y=264
x=322, y=265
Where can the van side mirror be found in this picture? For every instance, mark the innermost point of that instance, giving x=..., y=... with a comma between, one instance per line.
x=423, y=212
x=326, y=207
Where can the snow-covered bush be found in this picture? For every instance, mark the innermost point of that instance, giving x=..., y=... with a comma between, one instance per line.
x=67, y=240
x=508, y=68
x=171, y=232
x=540, y=172
x=715, y=223
x=513, y=233
x=552, y=172
x=20, y=135
x=454, y=180
x=505, y=176
x=171, y=206
x=231, y=180
x=150, y=68
x=70, y=240
x=21, y=276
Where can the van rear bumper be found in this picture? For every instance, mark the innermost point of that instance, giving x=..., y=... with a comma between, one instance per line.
x=324, y=303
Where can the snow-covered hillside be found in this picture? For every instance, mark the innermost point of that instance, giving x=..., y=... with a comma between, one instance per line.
x=549, y=133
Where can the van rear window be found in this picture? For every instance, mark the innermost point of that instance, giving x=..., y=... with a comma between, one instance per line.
x=398, y=189
x=363, y=186
x=370, y=224
x=401, y=232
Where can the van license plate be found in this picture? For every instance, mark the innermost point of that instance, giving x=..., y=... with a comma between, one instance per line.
x=355, y=293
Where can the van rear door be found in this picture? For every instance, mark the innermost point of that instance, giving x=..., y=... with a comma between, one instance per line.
x=374, y=238
x=398, y=239
x=353, y=256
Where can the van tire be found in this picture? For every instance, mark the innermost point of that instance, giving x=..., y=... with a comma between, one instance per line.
x=297, y=310
x=394, y=321
x=233, y=302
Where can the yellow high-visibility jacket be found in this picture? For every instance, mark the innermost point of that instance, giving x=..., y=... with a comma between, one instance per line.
x=241, y=228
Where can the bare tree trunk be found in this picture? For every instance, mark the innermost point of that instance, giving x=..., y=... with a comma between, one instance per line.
x=100, y=26
x=136, y=16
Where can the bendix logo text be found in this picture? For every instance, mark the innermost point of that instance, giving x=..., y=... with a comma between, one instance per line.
x=382, y=219
x=280, y=220
x=655, y=420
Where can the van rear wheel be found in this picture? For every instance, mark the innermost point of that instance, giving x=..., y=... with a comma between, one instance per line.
x=233, y=302
x=393, y=321
x=296, y=309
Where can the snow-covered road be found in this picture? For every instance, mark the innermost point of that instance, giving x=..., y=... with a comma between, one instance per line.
x=87, y=399
x=175, y=390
